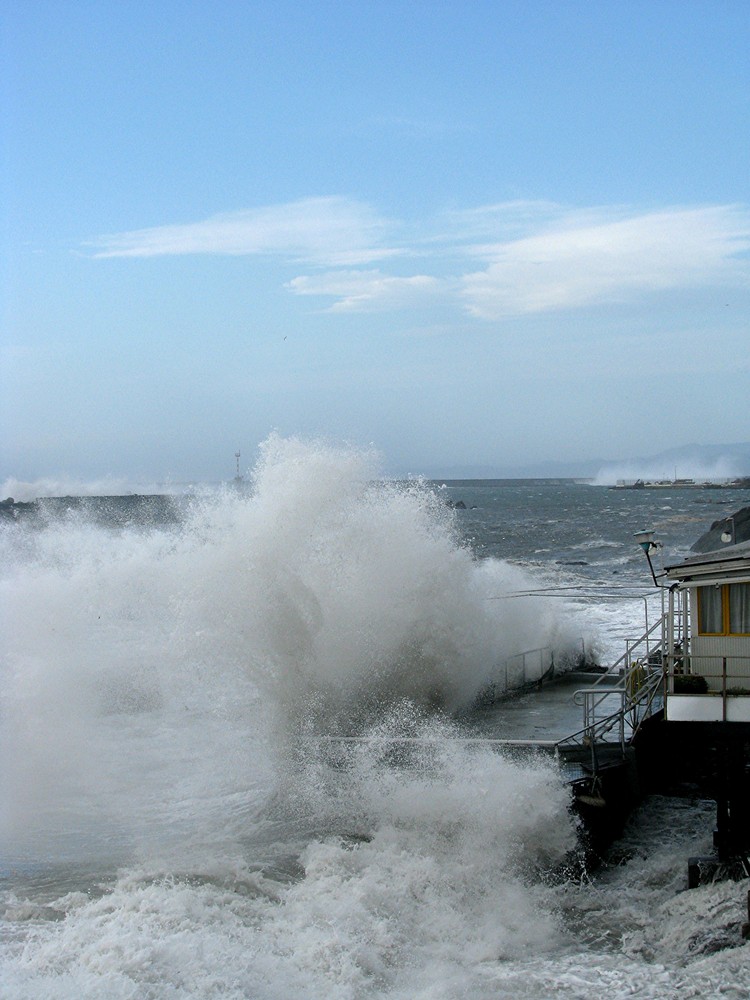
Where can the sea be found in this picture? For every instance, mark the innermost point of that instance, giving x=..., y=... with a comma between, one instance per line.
x=173, y=823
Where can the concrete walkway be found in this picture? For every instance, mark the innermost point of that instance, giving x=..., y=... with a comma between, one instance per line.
x=546, y=713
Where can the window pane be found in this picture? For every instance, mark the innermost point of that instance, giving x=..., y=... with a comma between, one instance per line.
x=739, y=607
x=709, y=610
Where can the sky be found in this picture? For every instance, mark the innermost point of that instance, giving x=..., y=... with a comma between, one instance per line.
x=478, y=234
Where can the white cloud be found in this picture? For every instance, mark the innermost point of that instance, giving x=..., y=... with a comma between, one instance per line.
x=578, y=262
x=537, y=256
x=365, y=291
x=332, y=231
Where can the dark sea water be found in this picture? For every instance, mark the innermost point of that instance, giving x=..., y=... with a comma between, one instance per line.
x=171, y=826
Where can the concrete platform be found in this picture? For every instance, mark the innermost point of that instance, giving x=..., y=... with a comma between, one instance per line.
x=547, y=713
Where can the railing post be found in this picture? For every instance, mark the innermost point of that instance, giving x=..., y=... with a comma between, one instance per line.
x=724, y=688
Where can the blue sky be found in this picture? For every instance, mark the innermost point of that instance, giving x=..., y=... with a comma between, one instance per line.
x=477, y=234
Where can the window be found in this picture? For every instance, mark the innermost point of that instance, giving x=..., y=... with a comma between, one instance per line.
x=724, y=610
x=710, y=611
x=739, y=608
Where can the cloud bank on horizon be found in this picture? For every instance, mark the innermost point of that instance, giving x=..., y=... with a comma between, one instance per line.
x=504, y=260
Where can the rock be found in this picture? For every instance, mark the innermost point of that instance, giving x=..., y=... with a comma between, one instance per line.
x=736, y=525
x=11, y=509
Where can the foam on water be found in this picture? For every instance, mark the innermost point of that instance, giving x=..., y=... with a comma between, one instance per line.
x=415, y=876
x=442, y=898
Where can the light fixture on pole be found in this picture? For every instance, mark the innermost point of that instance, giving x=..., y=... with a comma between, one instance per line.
x=646, y=541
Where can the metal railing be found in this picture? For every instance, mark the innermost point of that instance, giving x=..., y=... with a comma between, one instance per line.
x=637, y=696
x=721, y=673
x=532, y=666
x=519, y=672
x=642, y=647
x=644, y=651
x=529, y=667
x=712, y=677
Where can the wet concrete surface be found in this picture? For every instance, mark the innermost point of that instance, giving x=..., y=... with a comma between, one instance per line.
x=545, y=713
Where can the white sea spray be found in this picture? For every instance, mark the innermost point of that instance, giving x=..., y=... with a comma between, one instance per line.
x=173, y=825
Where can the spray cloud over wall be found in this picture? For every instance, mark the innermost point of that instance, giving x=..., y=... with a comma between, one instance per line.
x=319, y=602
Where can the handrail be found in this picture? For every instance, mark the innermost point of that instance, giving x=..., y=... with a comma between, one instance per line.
x=627, y=659
x=726, y=676
x=683, y=660
x=597, y=729
x=544, y=661
x=630, y=646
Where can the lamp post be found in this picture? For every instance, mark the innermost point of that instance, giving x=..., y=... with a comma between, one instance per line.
x=646, y=541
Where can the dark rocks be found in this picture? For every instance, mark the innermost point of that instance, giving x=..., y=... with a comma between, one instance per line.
x=11, y=509
x=736, y=527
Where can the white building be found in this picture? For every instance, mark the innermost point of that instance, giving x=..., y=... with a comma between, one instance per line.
x=707, y=638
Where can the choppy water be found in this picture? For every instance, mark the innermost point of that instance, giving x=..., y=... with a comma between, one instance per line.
x=170, y=827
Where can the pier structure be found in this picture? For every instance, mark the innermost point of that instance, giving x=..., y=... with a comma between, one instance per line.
x=672, y=714
x=685, y=709
x=706, y=730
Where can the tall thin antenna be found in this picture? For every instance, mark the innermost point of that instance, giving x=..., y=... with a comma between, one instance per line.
x=237, y=457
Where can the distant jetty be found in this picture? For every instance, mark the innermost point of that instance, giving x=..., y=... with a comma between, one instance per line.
x=743, y=483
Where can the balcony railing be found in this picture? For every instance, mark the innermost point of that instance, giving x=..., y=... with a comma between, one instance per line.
x=707, y=687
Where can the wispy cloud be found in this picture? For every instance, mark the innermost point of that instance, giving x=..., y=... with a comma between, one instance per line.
x=330, y=231
x=506, y=259
x=579, y=262
x=366, y=291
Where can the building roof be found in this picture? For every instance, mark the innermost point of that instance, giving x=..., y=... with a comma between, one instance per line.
x=730, y=561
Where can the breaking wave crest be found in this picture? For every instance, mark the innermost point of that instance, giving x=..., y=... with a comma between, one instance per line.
x=319, y=602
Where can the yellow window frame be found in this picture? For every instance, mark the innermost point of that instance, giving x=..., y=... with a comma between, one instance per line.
x=724, y=592
x=725, y=623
